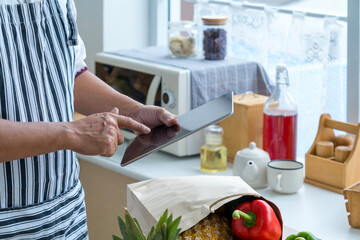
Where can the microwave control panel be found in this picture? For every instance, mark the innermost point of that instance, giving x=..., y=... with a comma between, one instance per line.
x=168, y=99
x=175, y=91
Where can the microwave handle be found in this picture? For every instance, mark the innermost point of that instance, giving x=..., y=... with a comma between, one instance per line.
x=154, y=86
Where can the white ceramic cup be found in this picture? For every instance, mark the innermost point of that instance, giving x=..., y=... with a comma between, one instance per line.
x=285, y=176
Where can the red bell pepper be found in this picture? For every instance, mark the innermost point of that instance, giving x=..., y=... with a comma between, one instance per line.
x=256, y=220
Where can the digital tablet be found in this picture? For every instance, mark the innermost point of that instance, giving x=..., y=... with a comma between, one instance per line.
x=188, y=123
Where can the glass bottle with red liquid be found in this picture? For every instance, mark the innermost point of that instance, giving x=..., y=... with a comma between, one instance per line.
x=280, y=119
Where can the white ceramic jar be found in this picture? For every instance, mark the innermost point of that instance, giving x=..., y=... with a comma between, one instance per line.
x=251, y=165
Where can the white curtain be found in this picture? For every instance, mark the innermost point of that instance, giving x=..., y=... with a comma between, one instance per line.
x=314, y=50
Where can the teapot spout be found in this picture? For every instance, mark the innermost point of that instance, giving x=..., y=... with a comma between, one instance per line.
x=250, y=172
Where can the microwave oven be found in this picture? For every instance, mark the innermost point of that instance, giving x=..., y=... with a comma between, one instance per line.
x=152, y=84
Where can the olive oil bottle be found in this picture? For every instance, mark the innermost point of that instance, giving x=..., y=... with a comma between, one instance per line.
x=213, y=155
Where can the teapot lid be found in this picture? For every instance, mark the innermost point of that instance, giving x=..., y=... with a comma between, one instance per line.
x=252, y=152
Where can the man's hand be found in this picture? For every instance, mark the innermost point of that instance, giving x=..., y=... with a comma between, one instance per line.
x=88, y=85
x=99, y=134
x=153, y=116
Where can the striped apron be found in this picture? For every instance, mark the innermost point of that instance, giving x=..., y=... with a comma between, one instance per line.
x=41, y=196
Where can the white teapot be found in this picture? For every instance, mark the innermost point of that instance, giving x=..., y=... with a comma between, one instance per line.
x=251, y=165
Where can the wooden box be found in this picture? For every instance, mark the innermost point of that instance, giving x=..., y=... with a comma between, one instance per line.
x=352, y=194
x=325, y=172
x=245, y=125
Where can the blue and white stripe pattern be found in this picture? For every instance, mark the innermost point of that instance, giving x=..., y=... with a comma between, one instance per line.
x=61, y=218
x=40, y=196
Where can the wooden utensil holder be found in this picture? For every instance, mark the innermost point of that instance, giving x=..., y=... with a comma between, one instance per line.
x=325, y=172
x=352, y=194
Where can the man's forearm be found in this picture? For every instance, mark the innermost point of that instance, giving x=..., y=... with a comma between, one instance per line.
x=92, y=95
x=98, y=134
x=27, y=139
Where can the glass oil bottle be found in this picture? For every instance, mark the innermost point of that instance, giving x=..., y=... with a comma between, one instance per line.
x=213, y=154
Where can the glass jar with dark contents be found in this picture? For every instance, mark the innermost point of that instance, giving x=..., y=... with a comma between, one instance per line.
x=214, y=39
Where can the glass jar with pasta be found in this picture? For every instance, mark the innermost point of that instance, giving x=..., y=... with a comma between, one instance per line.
x=182, y=38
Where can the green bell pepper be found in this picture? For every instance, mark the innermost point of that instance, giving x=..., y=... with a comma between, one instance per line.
x=302, y=236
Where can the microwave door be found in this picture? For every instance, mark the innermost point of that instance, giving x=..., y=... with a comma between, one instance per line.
x=154, y=86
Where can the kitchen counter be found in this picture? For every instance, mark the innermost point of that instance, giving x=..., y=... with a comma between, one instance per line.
x=311, y=208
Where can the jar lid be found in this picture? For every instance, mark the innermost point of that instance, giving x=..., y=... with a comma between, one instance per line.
x=252, y=152
x=182, y=24
x=214, y=20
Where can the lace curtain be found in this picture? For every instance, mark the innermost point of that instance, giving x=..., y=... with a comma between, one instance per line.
x=313, y=49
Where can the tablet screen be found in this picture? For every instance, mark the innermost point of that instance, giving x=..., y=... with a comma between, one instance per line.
x=188, y=123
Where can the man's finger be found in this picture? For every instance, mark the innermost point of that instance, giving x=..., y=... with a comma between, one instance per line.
x=120, y=137
x=115, y=110
x=129, y=123
x=166, y=117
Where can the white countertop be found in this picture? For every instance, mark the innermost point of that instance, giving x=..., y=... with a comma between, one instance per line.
x=313, y=209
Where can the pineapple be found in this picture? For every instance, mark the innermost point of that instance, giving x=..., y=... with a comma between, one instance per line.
x=213, y=227
x=166, y=229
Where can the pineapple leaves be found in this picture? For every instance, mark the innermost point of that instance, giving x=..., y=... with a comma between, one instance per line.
x=116, y=237
x=170, y=219
x=166, y=229
x=134, y=231
x=161, y=220
x=122, y=227
x=163, y=231
x=138, y=225
x=173, y=231
x=151, y=233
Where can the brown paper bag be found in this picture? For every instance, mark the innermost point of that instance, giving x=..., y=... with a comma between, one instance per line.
x=193, y=198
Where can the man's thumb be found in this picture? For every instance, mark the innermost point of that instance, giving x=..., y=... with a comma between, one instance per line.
x=115, y=110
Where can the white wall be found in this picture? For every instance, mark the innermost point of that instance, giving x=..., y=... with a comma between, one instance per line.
x=90, y=24
x=110, y=25
x=126, y=24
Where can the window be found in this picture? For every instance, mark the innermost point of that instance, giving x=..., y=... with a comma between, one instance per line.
x=311, y=38
x=162, y=11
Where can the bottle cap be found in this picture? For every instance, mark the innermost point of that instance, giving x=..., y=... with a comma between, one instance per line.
x=281, y=68
x=282, y=75
x=213, y=134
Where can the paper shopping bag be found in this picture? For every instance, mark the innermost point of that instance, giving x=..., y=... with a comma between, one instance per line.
x=193, y=198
